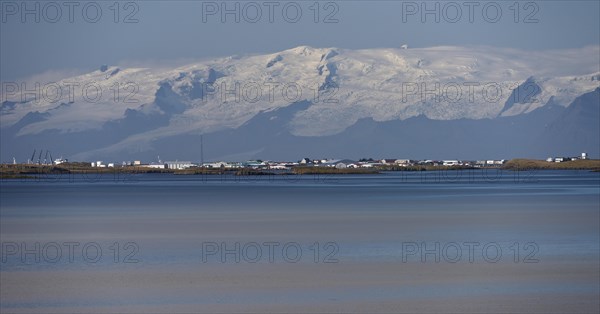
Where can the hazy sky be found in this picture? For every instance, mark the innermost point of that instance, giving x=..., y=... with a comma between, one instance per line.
x=75, y=37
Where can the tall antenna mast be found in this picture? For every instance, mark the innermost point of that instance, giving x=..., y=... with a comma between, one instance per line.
x=202, y=151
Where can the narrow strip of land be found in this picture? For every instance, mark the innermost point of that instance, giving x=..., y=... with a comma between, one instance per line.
x=23, y=171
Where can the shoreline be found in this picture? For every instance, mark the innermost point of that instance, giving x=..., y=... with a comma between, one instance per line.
x=28, y=171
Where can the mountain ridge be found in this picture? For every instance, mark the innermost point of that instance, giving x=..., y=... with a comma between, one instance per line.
x=337, y=91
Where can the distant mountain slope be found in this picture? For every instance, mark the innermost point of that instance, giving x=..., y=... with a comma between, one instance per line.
x=442, y=102
x=577, y=129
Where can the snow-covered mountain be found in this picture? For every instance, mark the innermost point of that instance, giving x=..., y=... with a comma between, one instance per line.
x=306, y=101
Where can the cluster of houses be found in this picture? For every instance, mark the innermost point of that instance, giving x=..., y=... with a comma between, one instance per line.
x=563, y=159
x=155, y=165
x=306, y=162
x=370, y=163
x=101, y=164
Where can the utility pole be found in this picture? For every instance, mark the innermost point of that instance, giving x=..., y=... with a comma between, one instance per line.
x=202, y=151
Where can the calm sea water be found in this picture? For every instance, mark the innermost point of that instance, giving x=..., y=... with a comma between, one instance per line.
x=527, y=226
x=367, y=216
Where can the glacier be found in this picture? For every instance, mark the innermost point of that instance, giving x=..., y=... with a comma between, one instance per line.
x=305, y=101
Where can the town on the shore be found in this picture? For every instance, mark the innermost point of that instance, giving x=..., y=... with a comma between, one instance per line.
x=308, y=162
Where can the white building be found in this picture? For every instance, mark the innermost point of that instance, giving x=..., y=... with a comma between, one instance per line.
x=218, y=164
x=60, y=161
x=154, y=166
x=404, y=162
x=178, y=164
x=451, y=163
x=583, y=156
x=341, y=165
